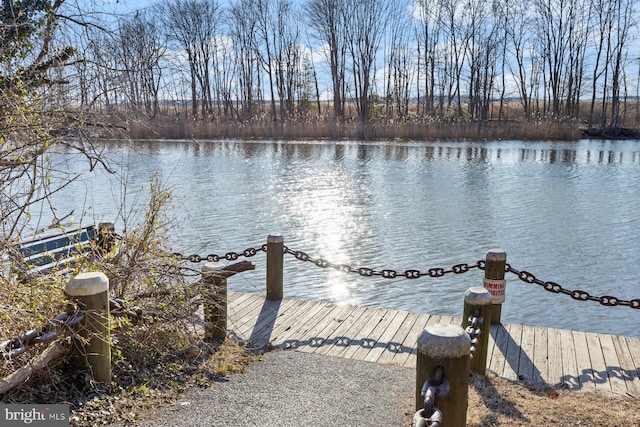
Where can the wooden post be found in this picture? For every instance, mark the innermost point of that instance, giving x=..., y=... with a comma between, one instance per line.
x=478, y=298
x=447, y=346
x=215, y=302
x=105, y=238
x=496, y=260
x=93, y=347
x=275, y=266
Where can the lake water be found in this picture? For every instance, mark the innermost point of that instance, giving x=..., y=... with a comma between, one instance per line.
x=568, y=212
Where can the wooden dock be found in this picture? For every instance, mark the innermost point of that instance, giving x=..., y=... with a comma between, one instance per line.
x=557, y=357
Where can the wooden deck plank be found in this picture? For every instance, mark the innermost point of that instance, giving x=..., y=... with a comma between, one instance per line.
x=541, y=355
x=235, y=300
x=364, y=339
x=320, y=331
x=410, y=361
x=349, y=335
x=248, y=319
x=245, y=314
x=373, y=338
x=612, y=363
x=512, y=356
x=526, y=368
x=263, y=331
x=627, y=368
x=238, y=308
x=634, y=349
x=397, y=343
x=598, y=363
x=386, y=337
x=292, y=334
x=583, y=360
x=402, y=358
x=258, y=331
x=571, y=374
x=493, y=332
x=498, y=359
x=294, y=315
x=339, y=335
x=554, y=357
x=579, y=360
x=300, y=334
x=449, y=320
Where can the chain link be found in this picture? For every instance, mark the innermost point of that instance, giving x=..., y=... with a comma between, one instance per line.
x=474, y=330
x=577, y=294
x=385, y=273
x=229, y=256
x=49, y=331
x=525, y=276
x=433, y=390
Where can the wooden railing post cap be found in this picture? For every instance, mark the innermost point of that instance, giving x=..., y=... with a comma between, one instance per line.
x=444, y=341
x=477, y=295
x=210, y=266
x=275, y=238
x=496, y=254
x=87, y=284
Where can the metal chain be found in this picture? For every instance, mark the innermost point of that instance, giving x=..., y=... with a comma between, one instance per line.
x=433, y=390
x=578, y=295
x=386, y=273
x=525, y=276
x=49, y=331
x=229, y=256
x=473, y=330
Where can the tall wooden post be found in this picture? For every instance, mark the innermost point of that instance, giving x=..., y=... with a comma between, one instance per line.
x=494, y=282
x=215, y=302
x=478, y=299
x=275, y=266
x=445, y=346
x=93, y=347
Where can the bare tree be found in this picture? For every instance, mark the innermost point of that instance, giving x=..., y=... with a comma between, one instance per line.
x=561, y=44
x=327, y=20
x=287, y=56
x=623, y=12
x=265, y=18
x=243, y=34
x=140, y=48
x=366, y=23
x=400, y=66
x=192, y=25
x=482, y=53
x=427, y=30
x=455, y=42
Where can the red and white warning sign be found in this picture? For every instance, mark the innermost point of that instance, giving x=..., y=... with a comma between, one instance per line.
x=496, y=288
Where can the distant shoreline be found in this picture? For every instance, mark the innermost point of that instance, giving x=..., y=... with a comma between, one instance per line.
x=172, y=128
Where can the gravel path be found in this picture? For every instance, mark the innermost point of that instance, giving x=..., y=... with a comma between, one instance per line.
x=290, y=388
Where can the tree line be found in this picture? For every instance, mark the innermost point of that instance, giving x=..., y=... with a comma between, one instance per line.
x=370, y=59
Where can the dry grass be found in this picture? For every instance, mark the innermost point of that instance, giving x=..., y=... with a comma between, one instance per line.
x=497, y=402
x=323, y=128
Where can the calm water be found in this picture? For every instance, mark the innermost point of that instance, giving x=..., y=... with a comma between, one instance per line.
x=567, y=212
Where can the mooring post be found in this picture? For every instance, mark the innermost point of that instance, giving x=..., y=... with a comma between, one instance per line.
x=215, y=302
x=275, y=266
x=494, y=282
x=92, y=347
x=476, y=318
x=445, y=348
